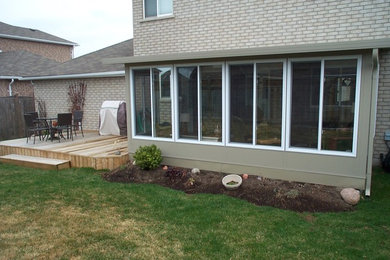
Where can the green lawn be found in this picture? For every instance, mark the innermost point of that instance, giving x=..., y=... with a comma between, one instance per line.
x=75, y=214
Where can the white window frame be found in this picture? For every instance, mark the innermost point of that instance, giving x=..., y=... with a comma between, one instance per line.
x=253, y=145
x=133, y=116
x=199, y=109
x=286, y=105
x=157, y=9
x=318, y=150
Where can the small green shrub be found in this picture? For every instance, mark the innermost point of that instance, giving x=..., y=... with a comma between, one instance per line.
x=148, y=157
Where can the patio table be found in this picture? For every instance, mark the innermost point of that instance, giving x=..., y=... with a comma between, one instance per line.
x=48, y=121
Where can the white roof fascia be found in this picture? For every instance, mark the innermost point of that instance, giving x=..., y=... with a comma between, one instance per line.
x=36, y=39
x=11, y=77
x=78, y=76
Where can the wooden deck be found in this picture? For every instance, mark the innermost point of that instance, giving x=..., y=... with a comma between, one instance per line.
x=92, y=150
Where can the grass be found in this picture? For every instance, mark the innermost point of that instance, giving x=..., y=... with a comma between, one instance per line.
x=74, y=214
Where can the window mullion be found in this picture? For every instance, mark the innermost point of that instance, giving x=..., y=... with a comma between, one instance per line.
x=172, y=96
x=321, y=104
x=254, y=125
x=175, y=111
x=151, y=102
x=224, y=100
x=199, y=105
x=288, y=105
x=284, y=107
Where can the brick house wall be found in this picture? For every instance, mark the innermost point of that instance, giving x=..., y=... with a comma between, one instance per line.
x=54, y=93
x=21, y=88
x=57, y=52
x=216, y=25
x=383, y=106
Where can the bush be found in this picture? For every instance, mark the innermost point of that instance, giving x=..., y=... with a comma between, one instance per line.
x=148, y=157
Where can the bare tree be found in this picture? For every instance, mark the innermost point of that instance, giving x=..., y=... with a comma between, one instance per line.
x=77, y=92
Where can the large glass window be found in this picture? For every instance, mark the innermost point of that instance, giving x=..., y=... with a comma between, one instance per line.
x=211, y=93
x=162, y=106
x=305, y=90
x=157, y=7
x=142, y=98
x=187, y=85
x=200, y=102
x=269, y=93
x=314, y=110
x=241, y=103
x=152, y=118
x=339, y=105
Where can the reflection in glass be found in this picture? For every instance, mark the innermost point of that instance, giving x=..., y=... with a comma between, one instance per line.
x=269, y=87
x=150, y=8
x=305, y=104
x=241, y=103
x=165, y=6
x=188, y=102
x=162, y=106
x=211, y=89
x=339, y=105
x=143, y=120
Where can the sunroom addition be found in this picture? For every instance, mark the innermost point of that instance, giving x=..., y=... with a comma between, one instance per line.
x=300, y=105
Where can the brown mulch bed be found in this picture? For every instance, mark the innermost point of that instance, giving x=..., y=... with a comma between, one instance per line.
x=296, y=196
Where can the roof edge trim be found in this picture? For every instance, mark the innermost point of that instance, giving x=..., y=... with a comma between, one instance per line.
x=36, y=39
x=10, y=77
x=82, y=75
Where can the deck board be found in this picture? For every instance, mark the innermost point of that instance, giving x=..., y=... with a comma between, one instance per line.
x=99, y=152
x=35, y=162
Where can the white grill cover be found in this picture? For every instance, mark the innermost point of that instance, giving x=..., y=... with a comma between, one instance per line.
x=108, y=118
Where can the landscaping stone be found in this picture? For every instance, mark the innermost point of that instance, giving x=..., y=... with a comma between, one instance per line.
x=195, y=171
x=350, y=195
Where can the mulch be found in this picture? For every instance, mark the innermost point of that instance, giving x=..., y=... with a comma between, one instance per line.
x=261, y=191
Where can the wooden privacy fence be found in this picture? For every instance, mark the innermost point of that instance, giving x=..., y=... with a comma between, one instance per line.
x=12, y=111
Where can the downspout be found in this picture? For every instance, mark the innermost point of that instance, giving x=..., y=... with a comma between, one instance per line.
x=371, y=134
x=32, y=84
x=10, y=87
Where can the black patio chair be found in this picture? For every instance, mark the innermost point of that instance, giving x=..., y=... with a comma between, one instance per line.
x=64, y=123
x=34, y=115
x=78, y=121
x=33, y=128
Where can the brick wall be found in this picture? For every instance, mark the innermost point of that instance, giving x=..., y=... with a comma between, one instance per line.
x=21, y=88
x=60, y=53
x=54, y=93
x=213, y=25
x=383, y=106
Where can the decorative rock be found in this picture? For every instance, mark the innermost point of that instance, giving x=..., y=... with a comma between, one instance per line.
x=195, y=170
x=245, y=176
x=350, y=195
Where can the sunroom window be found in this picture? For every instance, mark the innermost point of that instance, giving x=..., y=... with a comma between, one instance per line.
x=298, y=105
x=241, y=103
x=200, y=102
x=256, y=105
x=153, y=114
x=339, y=105
x=155, y=8
x=323, y=112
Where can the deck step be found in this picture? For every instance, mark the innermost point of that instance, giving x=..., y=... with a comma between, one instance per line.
x=35, y=162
